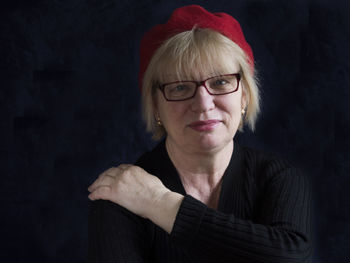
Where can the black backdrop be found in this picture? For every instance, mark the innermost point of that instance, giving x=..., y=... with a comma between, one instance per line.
x=70, y=109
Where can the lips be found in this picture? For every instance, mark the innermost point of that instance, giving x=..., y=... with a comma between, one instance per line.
x=207, y=125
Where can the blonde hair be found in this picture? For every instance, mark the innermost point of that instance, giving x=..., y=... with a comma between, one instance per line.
x=197, y=49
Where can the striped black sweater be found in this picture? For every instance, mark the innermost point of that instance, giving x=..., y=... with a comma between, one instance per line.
x=263, y=216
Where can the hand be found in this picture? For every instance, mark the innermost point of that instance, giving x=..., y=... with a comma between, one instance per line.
x=131, y=187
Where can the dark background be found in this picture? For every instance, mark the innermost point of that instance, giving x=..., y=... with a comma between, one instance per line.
x=70, y=109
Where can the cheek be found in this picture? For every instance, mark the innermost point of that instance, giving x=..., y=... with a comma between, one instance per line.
x=174, y=114
x=232, y=111
x=234, y=114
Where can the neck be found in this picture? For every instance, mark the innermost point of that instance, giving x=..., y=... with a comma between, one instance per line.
x=196, y=167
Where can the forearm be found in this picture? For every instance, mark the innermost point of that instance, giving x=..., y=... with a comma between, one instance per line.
x=226, y=238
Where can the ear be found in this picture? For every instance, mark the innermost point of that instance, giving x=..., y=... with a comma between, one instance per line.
x=155, y=104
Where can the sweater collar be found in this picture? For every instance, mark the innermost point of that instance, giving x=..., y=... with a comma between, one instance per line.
x=169, y=176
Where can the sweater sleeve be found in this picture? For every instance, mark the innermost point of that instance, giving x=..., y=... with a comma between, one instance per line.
x=116, y=235
x=280, y=233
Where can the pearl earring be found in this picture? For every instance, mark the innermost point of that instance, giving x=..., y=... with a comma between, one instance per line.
x=159, y=122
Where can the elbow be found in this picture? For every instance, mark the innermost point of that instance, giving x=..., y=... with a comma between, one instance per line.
x=296, y=248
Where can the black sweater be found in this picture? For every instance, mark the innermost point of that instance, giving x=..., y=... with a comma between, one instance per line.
x=263, y=216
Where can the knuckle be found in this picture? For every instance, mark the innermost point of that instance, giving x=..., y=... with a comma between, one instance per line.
x=108, y=170
x=122, y=166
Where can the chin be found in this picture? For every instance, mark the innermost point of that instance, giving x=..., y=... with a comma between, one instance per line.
x=211, y=142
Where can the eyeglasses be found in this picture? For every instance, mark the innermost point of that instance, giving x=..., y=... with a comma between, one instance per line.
x=186, y=89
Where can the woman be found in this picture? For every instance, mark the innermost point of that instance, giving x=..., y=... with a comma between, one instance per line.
x=199, y=196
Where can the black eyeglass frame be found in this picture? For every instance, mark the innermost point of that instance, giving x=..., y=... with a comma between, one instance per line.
x=200, y=83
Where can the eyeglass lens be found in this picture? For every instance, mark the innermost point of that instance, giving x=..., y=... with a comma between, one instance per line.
x=186, y=89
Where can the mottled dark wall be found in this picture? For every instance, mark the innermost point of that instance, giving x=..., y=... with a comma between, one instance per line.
x=70, y=109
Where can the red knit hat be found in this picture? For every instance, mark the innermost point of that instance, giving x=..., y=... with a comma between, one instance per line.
x=184, y=19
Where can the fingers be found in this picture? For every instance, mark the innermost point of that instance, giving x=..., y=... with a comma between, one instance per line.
x=102, y=187
x=103, y=179
x=101, y=192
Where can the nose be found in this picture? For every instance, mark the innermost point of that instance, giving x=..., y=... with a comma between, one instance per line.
x=202, y=101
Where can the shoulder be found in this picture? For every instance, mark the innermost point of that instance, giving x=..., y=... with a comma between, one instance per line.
x=108, y=215
x=104, y=207
x=268, y=167
x=264, y=161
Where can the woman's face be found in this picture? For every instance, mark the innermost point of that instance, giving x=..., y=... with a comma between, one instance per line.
x=205, y=122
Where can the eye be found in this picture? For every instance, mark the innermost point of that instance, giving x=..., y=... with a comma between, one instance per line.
x=179, y=88
x=220, y=82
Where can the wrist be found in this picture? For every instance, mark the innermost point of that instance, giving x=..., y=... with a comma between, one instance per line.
x=164, y=211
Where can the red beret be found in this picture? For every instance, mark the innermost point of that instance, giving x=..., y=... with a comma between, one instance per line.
x=184, y=19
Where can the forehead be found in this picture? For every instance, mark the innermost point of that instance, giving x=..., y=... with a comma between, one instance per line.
x=198, y=70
